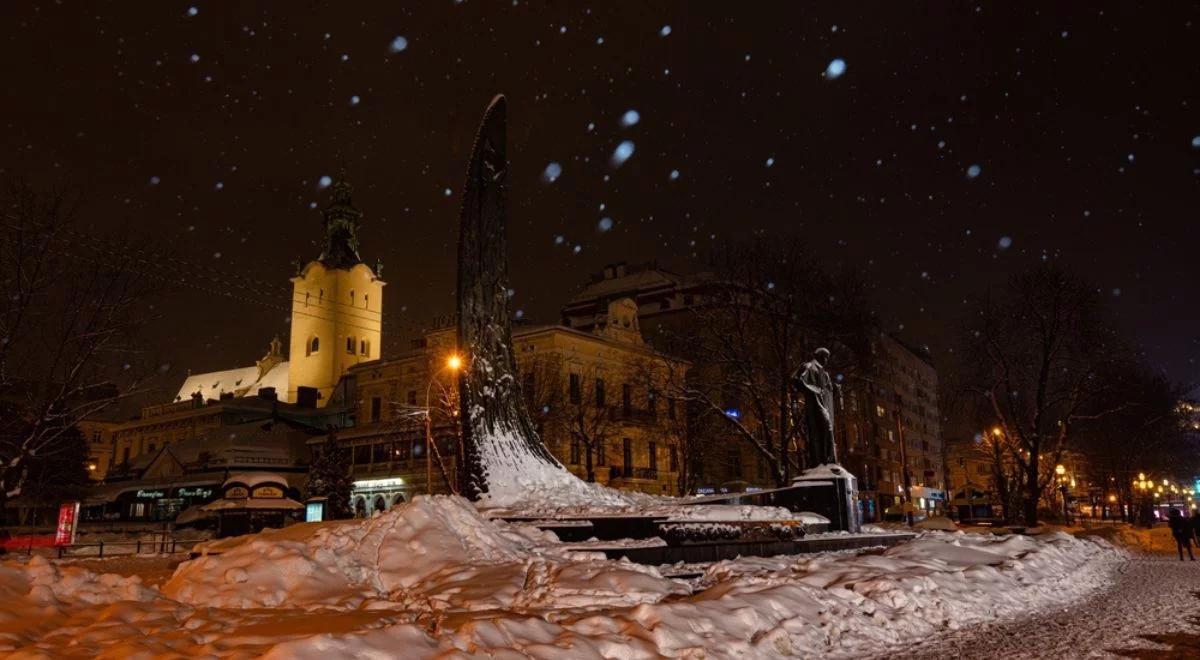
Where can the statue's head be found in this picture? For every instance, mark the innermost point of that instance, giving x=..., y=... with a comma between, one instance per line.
x=821, y=355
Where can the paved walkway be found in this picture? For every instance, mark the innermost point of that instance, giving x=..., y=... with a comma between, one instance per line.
x=1152, y=610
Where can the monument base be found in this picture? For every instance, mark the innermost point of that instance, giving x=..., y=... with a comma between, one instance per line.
x=829, y=490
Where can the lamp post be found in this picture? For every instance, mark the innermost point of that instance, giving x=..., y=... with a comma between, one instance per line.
x=453, y=363
x=1062, y=485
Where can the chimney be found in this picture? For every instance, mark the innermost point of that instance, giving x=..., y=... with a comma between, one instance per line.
x=306, y=397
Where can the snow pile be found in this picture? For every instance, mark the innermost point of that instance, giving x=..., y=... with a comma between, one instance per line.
x=835, y=604
x=432, y=553
x=436, y=579
x=45, y=584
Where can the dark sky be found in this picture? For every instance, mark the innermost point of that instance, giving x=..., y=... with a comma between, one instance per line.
x=206, y=133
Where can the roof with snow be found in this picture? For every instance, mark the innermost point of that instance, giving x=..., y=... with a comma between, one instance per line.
x=240, y=382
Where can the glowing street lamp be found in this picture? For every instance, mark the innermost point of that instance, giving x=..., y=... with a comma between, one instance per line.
x=453, y=363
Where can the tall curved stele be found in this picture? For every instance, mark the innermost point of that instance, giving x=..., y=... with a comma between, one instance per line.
x=499, y=439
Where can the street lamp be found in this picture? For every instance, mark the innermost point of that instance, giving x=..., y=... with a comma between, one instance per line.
x=453, y=363
x=1062, y=485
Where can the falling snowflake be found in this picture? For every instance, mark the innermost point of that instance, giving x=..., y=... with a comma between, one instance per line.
x=664, y=31
x=835, y=69
x=354, y=100
x=552, y=172
x=324, y=181
x=398, y=44
x=621, y=153
x=154, y=181
x=591, y=126
x=630, y=118
x=974, y=171
x=1116, y=293
x=220, y=185
x=195, y=58
x=192, y=11
x=559, y=239
x=446, y=192
x=1004, y=243
x=605, y=224
x=771, y=161
x=577, y=249
x=674, y=175
x=1196, y=142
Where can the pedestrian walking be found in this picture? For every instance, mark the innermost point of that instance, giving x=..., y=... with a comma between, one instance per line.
x=1182, y=530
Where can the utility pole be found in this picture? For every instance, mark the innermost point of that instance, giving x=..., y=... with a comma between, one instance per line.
x=908, y=505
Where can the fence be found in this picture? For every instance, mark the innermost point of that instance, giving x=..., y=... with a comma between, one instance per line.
x=164, y=544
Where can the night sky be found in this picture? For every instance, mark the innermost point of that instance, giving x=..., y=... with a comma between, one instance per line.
x=204, y=130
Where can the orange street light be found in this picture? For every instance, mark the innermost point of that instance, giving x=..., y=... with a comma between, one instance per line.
x=454, y=363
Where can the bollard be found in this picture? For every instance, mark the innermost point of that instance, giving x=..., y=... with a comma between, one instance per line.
x=102, y=549
x=60, y=552
x=139, y=548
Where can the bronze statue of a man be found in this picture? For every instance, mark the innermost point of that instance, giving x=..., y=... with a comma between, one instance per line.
x=813, y=382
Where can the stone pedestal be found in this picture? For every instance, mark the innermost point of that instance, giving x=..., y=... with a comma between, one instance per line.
x=829, y=490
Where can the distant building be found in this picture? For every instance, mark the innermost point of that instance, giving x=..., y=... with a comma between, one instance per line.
x=602, y=384
x=161, y=483
x=337, y=311
x=905, y=382
x=889, y=419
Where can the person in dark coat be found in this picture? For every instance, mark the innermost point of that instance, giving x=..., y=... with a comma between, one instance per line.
x=1181, y=529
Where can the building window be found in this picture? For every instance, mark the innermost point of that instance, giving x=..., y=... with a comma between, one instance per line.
x=627, y=456
x=879, y=411
x=652, y=448
x=314, y=345
x=599, y=392
x=379, y=453
x=350, y=345
x=575, y=389
x=376, y=408
x=365, y=347
x=96, y=436
x=351, y=297
x=671, y=408
x=735, y=461
x=362, y=454
x=151, y=448
x=652, y=401
x=366, y=300
x=673, y=458
x=575, y=447
x=412, y=397
x=627, y=398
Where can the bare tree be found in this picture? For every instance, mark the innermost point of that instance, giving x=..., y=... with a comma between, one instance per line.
x=67, y=316
x=768, y=306
x=580, y=410
x=1037, y=351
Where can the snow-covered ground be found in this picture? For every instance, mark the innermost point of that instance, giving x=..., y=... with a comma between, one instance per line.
x=435, y=577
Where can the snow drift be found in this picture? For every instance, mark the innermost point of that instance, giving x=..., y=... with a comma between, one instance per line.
x=435, y=578
x=435, y=551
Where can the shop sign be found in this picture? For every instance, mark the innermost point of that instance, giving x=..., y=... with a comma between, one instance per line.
x=237, y=492
x=151, y=494
x=268, y=491
x=314, y=511
x=68, y=521
x=193, y=492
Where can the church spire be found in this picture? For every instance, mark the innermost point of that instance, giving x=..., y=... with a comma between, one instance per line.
x=341, y=228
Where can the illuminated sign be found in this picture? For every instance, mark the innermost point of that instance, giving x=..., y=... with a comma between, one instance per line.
x=68, y=519
x=237, y=492
x=733, y=413
x=151, y=494
x=268, y=491
x=314, y=512
x=379, y=483
x=193, y=492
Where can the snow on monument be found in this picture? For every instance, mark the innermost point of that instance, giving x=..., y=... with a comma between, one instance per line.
x=506, y=462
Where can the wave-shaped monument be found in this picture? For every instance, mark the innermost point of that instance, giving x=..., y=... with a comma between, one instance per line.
x=504, y=458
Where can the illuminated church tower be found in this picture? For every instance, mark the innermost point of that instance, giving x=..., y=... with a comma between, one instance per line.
x=337, y=306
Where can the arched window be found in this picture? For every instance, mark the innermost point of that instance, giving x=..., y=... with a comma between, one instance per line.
x=365, y=347
x=314, y=345
x=350, y=345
